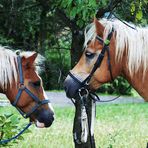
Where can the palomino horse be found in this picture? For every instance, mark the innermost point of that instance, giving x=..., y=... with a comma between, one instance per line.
x=20, y=82
x=111, y=49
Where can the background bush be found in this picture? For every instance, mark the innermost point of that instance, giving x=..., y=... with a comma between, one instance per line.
x=55, y=30
x=10, y=125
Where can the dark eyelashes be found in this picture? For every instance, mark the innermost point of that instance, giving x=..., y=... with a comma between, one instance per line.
x=88, y=42
x=35, y=84
x=89, y=54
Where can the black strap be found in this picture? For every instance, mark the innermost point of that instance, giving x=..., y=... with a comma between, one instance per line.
x=101, y=55
x=71, y=75
x=100, y=39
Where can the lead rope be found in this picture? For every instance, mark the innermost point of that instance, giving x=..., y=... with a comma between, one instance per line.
x=87, y=125
x=84, y=117
x=84, y=125
x=16, y=136
x=90, y=128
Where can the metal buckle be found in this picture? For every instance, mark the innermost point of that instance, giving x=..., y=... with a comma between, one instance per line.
x=107, y=42
x=83, y=92
x=21, y=86
x=18, y=52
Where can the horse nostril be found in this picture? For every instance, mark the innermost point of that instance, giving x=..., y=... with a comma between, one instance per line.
x=49, y=122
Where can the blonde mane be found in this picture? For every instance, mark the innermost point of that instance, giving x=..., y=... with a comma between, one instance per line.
x=135, y=42
x=9, y=66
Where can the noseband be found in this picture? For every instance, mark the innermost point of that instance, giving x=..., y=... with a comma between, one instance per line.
x=98, y=62
x=22, y=88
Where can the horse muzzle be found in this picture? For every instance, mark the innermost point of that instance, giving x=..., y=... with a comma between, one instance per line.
x=44, y=118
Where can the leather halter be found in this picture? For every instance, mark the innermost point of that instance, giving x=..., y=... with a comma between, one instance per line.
x=22, y=88
x=98, y=62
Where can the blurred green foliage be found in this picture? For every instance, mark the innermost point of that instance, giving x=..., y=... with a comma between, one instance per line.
x=48, y=27
x=120, y=86
x=57, y=66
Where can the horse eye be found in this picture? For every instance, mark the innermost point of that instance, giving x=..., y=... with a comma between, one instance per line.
x=89, y=55
x=88, y=42
x=37, y=84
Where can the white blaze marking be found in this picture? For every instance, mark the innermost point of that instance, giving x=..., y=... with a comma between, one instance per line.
x=49, y=104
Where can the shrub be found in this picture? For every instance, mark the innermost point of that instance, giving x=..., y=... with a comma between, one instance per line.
x=9, y=126
x=119, y=86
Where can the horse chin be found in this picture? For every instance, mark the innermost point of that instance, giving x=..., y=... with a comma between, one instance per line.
x=39, y=124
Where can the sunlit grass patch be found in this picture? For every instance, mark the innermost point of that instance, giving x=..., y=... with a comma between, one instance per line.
x=116, y=126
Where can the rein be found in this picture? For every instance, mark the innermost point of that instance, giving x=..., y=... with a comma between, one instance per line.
x=85, y=122
x=22, y=88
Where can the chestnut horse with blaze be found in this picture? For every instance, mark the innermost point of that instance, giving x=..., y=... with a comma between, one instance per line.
x=111, y=49
x=20, y=82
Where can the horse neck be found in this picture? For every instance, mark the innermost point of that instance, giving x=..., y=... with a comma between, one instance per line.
x=137, y=81
x=11, y=91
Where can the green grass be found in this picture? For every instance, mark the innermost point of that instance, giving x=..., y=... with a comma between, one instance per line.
x=117, y=126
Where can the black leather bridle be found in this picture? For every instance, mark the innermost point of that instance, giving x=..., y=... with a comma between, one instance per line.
x=106, y=43
x=22, y=88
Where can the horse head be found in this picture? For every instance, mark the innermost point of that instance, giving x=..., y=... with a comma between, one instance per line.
x=93, y=67
x=24, y=88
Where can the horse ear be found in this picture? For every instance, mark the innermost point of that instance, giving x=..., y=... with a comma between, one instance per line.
x=32, y=58
x=26, y=61
x=99, y=27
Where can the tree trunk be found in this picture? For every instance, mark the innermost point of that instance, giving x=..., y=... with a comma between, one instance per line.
x=76, y=46
x=43, y=30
